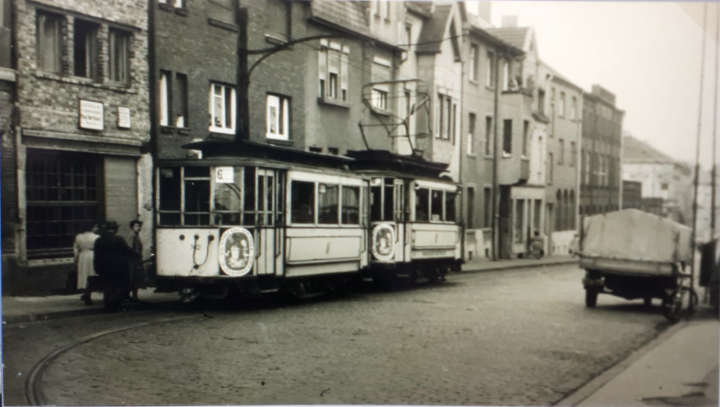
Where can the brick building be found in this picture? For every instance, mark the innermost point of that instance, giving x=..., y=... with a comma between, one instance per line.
x=600, y=175
x=81, y=132
x=7, y=133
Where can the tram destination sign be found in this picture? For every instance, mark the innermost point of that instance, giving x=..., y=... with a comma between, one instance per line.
x=224, y=175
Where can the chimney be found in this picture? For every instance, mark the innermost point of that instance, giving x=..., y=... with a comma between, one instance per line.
x=509, y=21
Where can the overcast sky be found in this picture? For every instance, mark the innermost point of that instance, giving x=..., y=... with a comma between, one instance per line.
x=647, y=53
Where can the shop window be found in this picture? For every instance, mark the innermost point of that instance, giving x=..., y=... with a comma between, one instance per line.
x=64, y=197
x=350, y=210
x=302, y=202
x=85, y=50
x=49, y=42
x=278, y=117
x=327, y=204
x=422, y=205
x=120, y=56
x=222, y=108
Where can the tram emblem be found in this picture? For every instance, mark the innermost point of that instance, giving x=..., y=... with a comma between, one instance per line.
x=237, y=251
x=383, y=242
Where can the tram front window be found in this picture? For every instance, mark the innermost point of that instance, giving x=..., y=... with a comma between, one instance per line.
x=228, y=199
x=169, y=207
x=388, y=205
x=375, y=204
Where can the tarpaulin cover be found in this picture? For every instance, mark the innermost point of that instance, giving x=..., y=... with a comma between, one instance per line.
x=631, y=234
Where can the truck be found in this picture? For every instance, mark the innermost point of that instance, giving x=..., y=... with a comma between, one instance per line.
x=635, y=254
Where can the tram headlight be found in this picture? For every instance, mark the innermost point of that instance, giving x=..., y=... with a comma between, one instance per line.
x=236, y=251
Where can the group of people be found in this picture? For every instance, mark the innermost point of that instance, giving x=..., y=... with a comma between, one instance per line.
x=118, y=265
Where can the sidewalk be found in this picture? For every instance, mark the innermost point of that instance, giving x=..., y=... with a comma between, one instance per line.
x=25, y=309
x=678, y=368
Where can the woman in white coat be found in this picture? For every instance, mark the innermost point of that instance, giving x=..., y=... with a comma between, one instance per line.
x=83, y=251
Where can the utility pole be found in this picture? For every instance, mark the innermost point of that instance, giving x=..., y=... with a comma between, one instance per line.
x=495, y=214
x=715, y=114
x=697, y=153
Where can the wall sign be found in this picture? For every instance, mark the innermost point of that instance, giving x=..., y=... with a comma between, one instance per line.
x=91, y=115
x=123, y=117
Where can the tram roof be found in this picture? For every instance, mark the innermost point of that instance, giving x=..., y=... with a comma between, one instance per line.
x=263, y=151
x=383, y=160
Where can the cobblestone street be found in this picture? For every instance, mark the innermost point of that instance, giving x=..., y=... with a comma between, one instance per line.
x=510, y=337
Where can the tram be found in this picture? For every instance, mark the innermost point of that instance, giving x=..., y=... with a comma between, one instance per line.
x=251, y=218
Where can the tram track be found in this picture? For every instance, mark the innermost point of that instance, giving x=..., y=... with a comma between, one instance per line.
x=33, y=391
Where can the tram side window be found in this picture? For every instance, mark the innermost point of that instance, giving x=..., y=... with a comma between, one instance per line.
x=350, y=205
x=450, y=206
x=302, y=202
x=249, y=212
x=375, y=204
x=389, y=201
x=197, y=196
x=228, y=200
x=422, y=205
x=169, y=207
x=328, y=204
x=436, y=206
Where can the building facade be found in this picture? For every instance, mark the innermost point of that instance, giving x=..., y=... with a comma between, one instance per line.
x=81, y=132
x=600, y=175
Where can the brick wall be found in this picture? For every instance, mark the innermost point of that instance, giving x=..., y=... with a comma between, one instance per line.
x=9, y=175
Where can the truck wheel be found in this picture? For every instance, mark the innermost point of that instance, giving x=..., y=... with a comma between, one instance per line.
x=590, y=297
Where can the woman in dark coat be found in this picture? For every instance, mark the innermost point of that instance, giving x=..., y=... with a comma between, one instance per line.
x=112, y=256
x=137, y=270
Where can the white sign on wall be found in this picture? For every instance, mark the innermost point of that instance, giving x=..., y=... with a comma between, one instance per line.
x=224, y=175
x=123, y=117
x=91, y=115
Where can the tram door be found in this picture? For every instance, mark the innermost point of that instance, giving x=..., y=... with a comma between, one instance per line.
x=400, y=217
x=269, y=209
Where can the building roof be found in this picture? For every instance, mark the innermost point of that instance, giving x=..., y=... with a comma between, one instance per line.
x=351, y=15
x=514, y=36
x=421, y=8
x=494, y=40
x=560, y=78
x=433, y=30
x=640, y=152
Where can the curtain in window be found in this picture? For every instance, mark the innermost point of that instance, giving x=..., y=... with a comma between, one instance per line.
x=91, y=54
x=49, y=43
x=119, y=56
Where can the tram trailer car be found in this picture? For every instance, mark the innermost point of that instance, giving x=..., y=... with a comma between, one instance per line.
x=414, y=229
x=253, y=218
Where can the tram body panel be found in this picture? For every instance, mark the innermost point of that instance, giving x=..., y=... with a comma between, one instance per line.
x=181, y=254
x=432, y=241
x=324, y=251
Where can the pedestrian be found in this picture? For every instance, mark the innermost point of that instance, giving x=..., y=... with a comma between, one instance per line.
x=137, y=270
x=84, y=256
x=112, y=256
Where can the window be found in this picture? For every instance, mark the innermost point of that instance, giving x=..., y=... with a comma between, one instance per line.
x=302, y=202
x=561, y=151
x=422, y=205
x=328, y=204
x=164, y=98
x=551, y=166
x=541, y=101
x=440, y=115
x=573, y=153
x=526, y=134
x=487, y=201
x=408, y=36
x=561, y=105
x=470, y=224
x=507, y=136
x=49, y=42
x=471, y=134
x=380, y=99
x=174, y=3
x=85, y=49
x=64, y=197
x=453, y=122
x=506, y=75
x=350, y=211
x=450, y=206
x=196, y=195
x=436, y=205
x=222, y=108
x=119, y=56
x=278, y=117
x=333, y=71
x=181, y=90
x=488, y=135
x=573, y=109
x=519, y=220
x=474, y=55
x=491, y=72
x=385, y=4
x=228, y=199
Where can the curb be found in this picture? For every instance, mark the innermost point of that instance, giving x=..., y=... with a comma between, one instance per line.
x=594, y=384
x=495, y=267
x=14, y=319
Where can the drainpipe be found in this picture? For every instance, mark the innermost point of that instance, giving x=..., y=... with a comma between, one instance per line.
x=496, y=113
